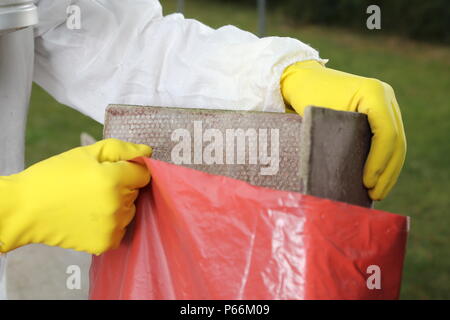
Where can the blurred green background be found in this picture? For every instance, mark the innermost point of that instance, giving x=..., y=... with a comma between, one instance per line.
x=419, y=73
x=414, y=19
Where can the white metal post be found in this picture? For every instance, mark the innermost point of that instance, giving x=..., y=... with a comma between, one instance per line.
x=262, y=4
x=180, y=6
x=16, y=72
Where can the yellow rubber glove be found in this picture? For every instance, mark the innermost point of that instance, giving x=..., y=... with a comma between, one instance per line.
x=81, y=199
x=310, y=83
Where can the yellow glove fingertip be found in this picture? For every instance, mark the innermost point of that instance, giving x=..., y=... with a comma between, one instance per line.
x=113, y=150
x=375, y=194
x=370, y=180
x=144, y=150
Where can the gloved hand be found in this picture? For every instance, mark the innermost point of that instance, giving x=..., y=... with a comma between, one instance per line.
x=310, y=83
x=81, y=199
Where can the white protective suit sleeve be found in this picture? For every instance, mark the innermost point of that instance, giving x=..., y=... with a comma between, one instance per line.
x=127, y=52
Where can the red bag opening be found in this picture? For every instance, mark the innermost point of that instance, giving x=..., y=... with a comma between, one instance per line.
x=201, y=236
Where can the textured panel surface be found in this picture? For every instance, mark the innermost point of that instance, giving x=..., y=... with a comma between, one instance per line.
x=162, y=129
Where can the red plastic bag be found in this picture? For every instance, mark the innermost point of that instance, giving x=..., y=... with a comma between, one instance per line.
x=201, y=236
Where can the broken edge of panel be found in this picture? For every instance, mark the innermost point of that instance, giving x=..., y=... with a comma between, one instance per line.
x=335, y=148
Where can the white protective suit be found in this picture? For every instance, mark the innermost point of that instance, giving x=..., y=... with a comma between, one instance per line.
x=127, y=52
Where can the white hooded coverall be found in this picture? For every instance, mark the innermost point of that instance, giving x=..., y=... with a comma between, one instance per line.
x=127, y=52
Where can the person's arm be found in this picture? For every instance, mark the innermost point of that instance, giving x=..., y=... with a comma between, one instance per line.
x=82, y=199
x=127, y=52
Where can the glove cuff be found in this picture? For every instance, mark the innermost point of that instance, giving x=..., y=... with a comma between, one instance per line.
x=290, y=87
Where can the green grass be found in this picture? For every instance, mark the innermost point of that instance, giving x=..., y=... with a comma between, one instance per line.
x=419, y=73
